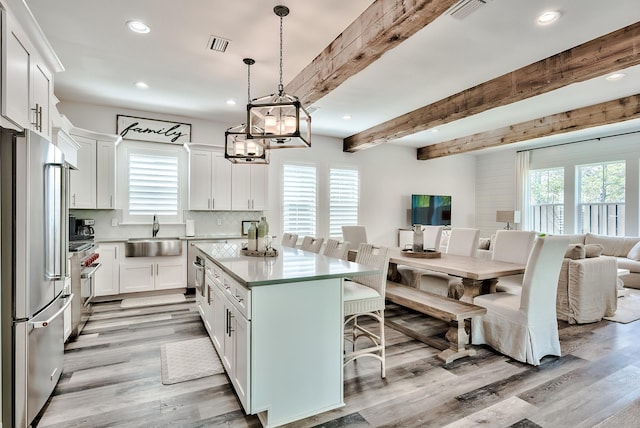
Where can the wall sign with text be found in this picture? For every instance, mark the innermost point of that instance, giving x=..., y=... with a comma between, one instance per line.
x=159, y=131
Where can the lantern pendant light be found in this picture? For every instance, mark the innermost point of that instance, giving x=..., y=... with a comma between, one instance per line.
x=280, y=119
x=238, y=146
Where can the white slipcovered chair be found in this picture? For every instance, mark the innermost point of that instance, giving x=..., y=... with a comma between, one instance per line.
x=523, y=326
x=289, y=240
x=355, y=234
x=364, y=296
x=463, y=242
x=512, y=246
x=334, y=248
x=309, y=243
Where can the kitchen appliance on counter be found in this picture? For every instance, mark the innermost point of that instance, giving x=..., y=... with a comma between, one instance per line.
x=81, y=229
x=33, y=240
x=84, y=265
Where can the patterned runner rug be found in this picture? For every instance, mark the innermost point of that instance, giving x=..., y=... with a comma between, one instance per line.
x=138, y=302
x=188, y=360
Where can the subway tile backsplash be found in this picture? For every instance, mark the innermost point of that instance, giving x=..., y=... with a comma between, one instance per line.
x=227, y=223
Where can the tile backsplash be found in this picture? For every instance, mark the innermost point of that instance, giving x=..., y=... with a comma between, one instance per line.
x=227, y=223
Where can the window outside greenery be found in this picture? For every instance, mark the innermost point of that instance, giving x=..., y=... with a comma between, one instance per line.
x=546, y=200
x=601, y=208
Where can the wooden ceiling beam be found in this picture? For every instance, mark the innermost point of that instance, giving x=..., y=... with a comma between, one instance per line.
x=619, y=110
x=381, y=27
x=612, y=52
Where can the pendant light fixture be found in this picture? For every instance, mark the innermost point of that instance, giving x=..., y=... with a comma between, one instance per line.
x=279, y=119
x=238, y=146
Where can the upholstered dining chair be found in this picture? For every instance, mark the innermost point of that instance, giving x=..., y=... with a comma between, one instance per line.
x=364, y=296
x=524, y=326
x=462, y=242
x=335, y=248
x=289, y=240
x=354, y=234
x=513, y=246
x=309, y=243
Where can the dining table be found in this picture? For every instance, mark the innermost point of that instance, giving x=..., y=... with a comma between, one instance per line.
x=479, y=276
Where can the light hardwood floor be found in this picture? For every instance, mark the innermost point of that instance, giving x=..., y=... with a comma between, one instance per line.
x=112, y=379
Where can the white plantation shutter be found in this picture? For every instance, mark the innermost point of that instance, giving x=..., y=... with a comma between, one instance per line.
x=153, y=185
x=344, y=185
x=299, y=199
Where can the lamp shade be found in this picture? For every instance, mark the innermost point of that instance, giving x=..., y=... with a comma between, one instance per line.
x=508, y=216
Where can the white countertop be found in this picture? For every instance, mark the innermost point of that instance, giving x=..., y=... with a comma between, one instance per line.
x=290, y=265
x=211, y=237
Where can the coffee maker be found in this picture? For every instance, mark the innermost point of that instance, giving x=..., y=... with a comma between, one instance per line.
x=84, y=228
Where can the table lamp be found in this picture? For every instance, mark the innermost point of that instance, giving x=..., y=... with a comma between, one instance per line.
x=508, y=217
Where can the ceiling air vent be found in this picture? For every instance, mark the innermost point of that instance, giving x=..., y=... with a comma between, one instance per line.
x=218, y=44
x=464, y=8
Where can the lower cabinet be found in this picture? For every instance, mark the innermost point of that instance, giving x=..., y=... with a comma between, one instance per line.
x=149, y=273
x=107, y=279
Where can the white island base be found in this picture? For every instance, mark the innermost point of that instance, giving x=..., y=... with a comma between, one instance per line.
x=296, y=347
x=277, y=325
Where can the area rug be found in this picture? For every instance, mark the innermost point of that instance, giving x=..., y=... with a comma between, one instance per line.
x=628, y=307
x=138, y=302
x=188, y=360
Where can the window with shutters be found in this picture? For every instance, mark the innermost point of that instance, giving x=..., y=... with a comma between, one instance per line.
x=299, y=199
x=153, y=185
x=344, y=196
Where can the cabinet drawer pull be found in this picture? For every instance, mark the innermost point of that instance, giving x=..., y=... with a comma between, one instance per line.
x=239, y=299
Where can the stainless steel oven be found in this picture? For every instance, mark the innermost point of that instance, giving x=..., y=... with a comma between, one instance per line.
x=199, y=281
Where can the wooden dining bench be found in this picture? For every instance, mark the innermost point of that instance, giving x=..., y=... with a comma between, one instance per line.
x=453, y=311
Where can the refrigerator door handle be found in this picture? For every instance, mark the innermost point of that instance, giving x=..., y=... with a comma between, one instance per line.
x=55, y=261
x=45, y=323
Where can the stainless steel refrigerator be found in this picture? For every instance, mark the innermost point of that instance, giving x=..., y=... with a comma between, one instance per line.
x=33, y=249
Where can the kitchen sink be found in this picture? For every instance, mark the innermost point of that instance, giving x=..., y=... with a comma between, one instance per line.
x=153, y=247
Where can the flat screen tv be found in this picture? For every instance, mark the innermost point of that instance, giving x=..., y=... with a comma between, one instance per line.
x=431, y=210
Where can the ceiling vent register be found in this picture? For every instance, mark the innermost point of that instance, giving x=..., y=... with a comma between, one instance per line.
x=464, y=8
x=218, y=44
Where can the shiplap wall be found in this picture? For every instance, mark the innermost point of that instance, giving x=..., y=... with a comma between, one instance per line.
x=495, y=189
x=495, y=177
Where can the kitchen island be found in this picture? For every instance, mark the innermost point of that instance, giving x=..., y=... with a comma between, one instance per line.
x=276, y=323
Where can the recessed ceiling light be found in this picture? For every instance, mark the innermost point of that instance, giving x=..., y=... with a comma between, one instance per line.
x=346, y=117
x=138, y=27
x=434, y=130
x=615, y=76
x=142, y=85
x=548, y=17
x=231, y=102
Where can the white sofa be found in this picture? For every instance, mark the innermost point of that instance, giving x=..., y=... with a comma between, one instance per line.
x=620, y=247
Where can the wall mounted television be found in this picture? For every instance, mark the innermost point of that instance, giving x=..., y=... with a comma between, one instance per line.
x=431, y=210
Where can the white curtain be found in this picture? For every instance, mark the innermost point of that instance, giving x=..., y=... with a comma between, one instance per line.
x=522, y=188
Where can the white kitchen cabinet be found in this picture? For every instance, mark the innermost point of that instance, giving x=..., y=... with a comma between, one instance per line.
x=209, y=180
x=82, y=181
x=107, y=278
x=249, y=184
x=93, y=184
x=152, y=273
x=27, y=80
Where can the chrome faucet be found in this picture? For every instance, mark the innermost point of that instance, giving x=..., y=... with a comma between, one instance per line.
x=156, y=225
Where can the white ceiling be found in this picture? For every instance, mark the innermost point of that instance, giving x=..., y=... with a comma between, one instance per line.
x=103, y=59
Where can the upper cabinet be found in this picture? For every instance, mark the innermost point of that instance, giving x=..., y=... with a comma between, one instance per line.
x=209, y=180
x=28, y=63
x=93, y=184
x=249, y=187
x=215, y=184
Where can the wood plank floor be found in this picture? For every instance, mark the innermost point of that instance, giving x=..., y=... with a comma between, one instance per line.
x=112, y=379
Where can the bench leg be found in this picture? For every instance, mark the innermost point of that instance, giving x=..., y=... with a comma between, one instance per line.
x=459, y=340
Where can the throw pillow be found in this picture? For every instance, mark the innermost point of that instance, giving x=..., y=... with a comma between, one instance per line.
x=593, y=250
x=575, y=252
x=484, y=244
x=634, y=253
